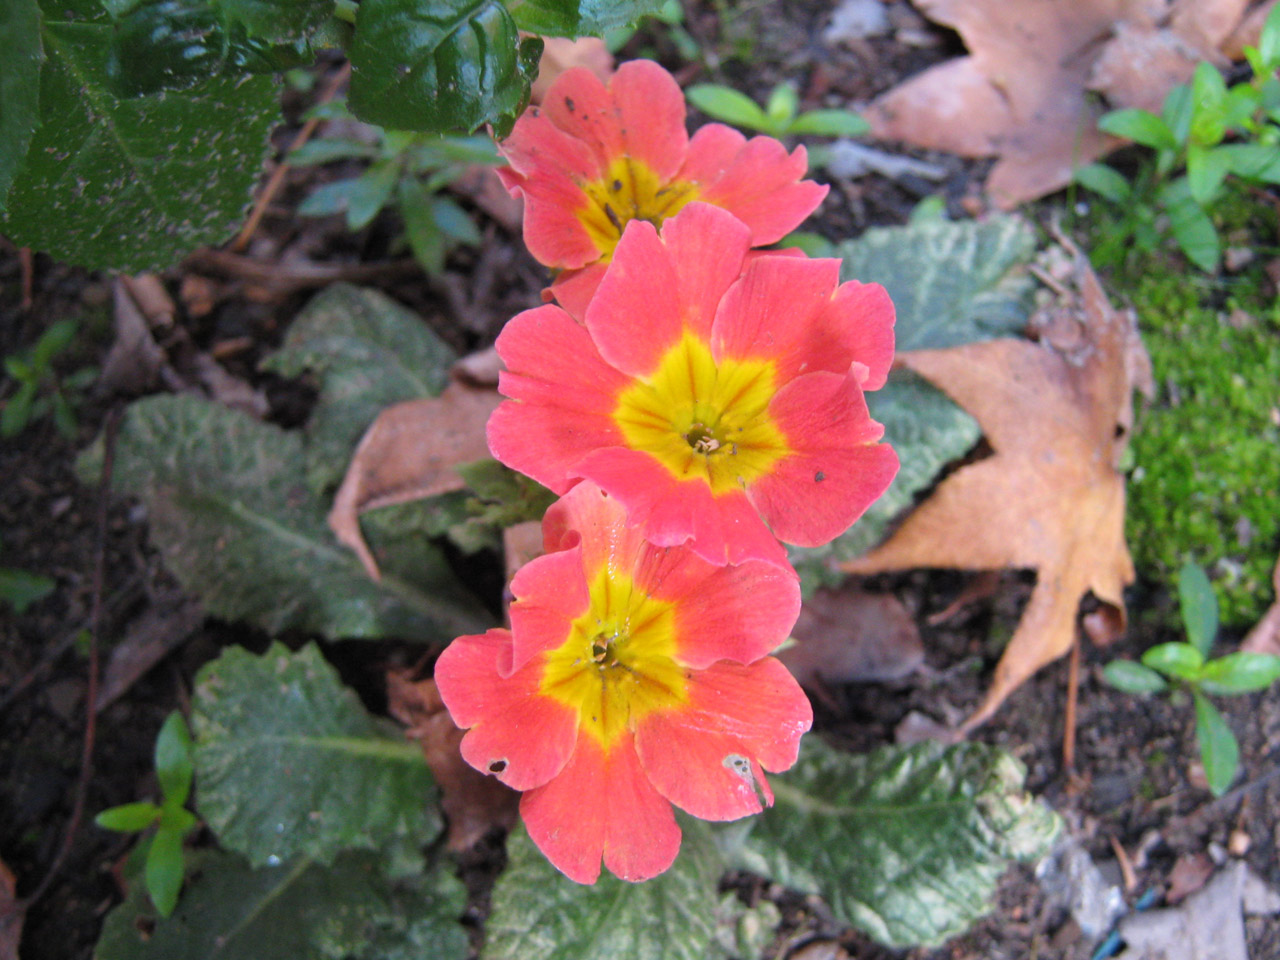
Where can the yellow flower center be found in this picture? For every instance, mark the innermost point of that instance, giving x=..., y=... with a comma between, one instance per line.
x=703, y=419
x=630, y=191
x=617, y=665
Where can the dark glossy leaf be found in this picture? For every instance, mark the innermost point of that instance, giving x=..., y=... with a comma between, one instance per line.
x=1133, y=677
x=1241, y=672
x=578, y=18
x=134, y=183
x=20, y=57
x=1219, y=751
x=905, y=843
x=540, y=914
x=173, y=760
x=128, y=817
x=1199, y=607
x=295, y=911
x=276, y=20
x=1180, y=660
x=439, y=65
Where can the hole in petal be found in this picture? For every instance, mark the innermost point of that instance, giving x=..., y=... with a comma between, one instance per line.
x=497, y=766
x=741, y=768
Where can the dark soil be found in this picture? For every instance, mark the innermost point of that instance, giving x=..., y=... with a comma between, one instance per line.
x=1135, y=781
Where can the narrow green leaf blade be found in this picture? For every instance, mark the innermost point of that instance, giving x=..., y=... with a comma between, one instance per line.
x=173, y=760
x=830, y=123
x=1240, y=672
x=1133, y=677
x=440, y=66
x=728, y=105
x=1140, y=126
x=1199, y=607
x=1219, y=752
x=134, y=184
x=231, y=513
x=1175, y=660
x=128, y=817
x=21, y=54
x=292, y=911
x=906, y=844
x=368, y=352
x=539, y=914
x=290, y=763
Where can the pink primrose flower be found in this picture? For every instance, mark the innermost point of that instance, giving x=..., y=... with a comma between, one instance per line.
x=633, y=677
x=709, y=391
x=595, y=157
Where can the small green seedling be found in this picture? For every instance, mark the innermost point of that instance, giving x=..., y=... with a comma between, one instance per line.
x=408, y=170
x=1186, y=664
x=778, y=118
x=40, y=390
x=20, y=589
x=1206, y=132
x=172, y=820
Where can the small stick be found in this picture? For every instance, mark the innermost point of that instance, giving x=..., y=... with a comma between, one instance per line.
x=276, y=179
x=1069, y=722
x=28, y=276
x=1127, y=874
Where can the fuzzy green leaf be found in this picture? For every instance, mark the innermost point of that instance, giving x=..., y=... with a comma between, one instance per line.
x=440, y=65
x=292, y=911
x=1240, y=672
x=1199, y=607
x=1219, y=751
x=368, y=352
x=1177, y=659
x=128, y=817
x=290, y=763
x=134, y=183
x=578, y=18
x=1132, y=677
x=905, y=843
x=173, y=760
x=231, y=513
x=20, y=57
x=539, y=914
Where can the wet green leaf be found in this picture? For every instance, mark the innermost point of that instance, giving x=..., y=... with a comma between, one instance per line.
x=290, y=763
x=21, y=54
x=578, y=18
x=905, y=843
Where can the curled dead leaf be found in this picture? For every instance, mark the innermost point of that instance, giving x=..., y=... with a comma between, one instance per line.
x=408, y=453
x=1050, y=497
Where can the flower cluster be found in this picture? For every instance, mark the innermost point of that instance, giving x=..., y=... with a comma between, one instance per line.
x=695, y=403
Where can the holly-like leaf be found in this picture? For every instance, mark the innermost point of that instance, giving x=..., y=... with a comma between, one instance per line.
x=580, y=18
x=905, y=843
x=132, y=184
x=350, y=909
x=539, y=914
x=440, y=66
x=231, y=513
x=369, y=352
x=290, y=763
x=20, y=58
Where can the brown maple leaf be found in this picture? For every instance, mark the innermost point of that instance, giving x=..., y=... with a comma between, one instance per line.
x=1023, y=92
x=1050, y=497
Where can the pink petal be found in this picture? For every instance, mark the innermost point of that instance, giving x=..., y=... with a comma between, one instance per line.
x=580, y=106
x=551, y=592
x=706, y=758
x=723, y=529
x=763, y=189
x=652, y=111
x=520, y=736
x=634, y=317
x=574, y=289
x=837, y=469
x=785, y=309
x=711, y=152
x=739, y=612
x=566, y=395
x=869, y=312
x=602, y=805
x=597, y=526
x=707, y=246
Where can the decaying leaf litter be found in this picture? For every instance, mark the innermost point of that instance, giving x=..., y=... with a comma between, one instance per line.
x=1032, y=654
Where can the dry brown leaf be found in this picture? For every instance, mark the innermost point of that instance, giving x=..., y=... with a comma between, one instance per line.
x=1265, y=635
x=851, y=635
x=1248, y=31
x=1022, y=93
x=409, y=453
x=1050, y=496
x=473, y=802
x=12, y=914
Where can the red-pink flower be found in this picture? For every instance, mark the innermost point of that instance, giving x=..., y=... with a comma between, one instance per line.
x=633, y=677
x=706, y=395
x=595, y=157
